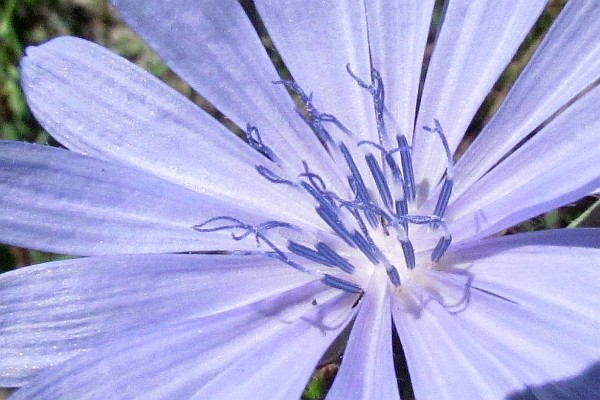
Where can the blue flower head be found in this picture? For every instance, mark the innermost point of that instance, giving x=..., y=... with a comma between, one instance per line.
x=220, y=267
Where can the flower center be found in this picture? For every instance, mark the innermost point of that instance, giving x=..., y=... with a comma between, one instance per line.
x=372, y=223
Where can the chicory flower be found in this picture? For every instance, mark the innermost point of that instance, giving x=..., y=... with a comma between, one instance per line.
x=219, y=268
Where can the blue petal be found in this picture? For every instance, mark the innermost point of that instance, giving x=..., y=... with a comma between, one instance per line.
x=398, y=33
x=475, y=43
x=367, y=370
x=100, y=104
x=317, y=40
x=553, y=168
x=187, y=359
x=214, y=47
x=54, y=311
x=529, y=318
x=559, y=70
x=60, y=201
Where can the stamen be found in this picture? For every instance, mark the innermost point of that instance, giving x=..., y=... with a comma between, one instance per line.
x=364, y=246
x=440, y=132
x=330, y=118
x=376, y=89
x=229, y=223
x=349, y=218
x=401, y=208
x=401, y=212
x=341, y=284
x=335, y=258
x=334, y=223
x=360, y=82
x=359, y=185
x=369, y=248
x=255, y=140
x=440, y=248
x=294, y=87
x=442, y=245
x=320, y=198
x=396, y=172
x=407, y=248
x=392, y=274
x=328, y=212
x=375, y=255
x=308, y=253
x=371, y=143
x=317, y=117
x=364, y=242
x=401, y=203
x=394, y=168
x=272, y=176
x=233, y=223
x=323, y=255
x=443, y=198
x=380, y=182
x=407, y=168
x=446, y=191
x=314, y=123
x=317, y=127
x=419, y=219
x=378, y=92
x=259, y=229
x=409, y=253
x=315, y=180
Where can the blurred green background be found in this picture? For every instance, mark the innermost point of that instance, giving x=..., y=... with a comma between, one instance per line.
x=27, y=22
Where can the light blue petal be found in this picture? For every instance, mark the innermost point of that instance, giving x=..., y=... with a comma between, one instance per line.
x=565, y=63
x=100, y=104
x=317, y=39
x=555, y=167
x=445, y=363
x=56, y=200
x=367, y=370
x=214, y=47
x=476, y=41
x=181, y=360
x=398, y=33
x=54, y=311
x=530, y=317
x=552, y=268
x=279, y=366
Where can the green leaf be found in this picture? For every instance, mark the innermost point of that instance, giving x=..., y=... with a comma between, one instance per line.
x=590, y=218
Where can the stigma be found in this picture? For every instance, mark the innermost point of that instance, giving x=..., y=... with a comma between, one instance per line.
x=376, y=223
